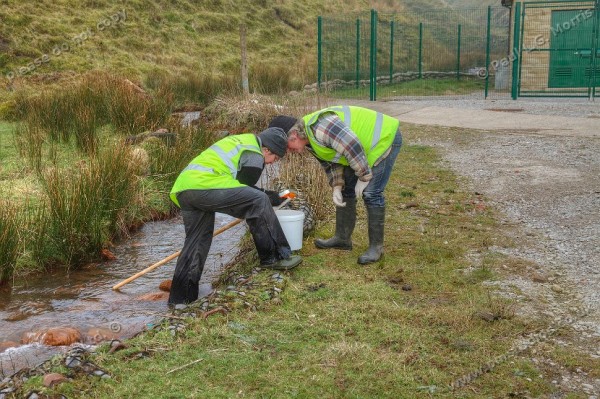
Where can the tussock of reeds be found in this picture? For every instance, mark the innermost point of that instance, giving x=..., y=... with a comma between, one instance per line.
x=9, y=239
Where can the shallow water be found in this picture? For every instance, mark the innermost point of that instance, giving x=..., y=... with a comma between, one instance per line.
x=83, y=299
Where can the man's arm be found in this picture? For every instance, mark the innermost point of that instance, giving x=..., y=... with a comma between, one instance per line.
x=332, y=132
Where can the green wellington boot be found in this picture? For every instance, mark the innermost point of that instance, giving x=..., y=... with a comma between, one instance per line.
x=345, y=219
x=376, y=226
x=284, y=264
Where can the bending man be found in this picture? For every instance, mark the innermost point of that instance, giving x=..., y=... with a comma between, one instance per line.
x=357, y=148
x=222, y=179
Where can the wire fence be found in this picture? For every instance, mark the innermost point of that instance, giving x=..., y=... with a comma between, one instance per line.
x=434, y=53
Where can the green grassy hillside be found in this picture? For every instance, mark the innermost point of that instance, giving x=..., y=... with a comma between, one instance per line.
x=47, y=39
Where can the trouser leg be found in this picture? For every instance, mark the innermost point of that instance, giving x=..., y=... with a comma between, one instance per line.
x=253, y=206
x=199, y=226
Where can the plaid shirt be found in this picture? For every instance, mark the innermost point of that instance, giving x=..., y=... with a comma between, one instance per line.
x=330, y=131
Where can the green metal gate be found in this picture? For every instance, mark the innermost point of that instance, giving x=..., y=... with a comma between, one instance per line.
x=558, y=49
x=447, y=52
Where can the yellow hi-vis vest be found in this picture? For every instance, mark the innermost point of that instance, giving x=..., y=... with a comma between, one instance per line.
x=217, y=166
x=374, y=130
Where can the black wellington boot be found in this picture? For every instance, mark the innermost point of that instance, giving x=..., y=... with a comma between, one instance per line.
x=376, y=226
x=345, y=219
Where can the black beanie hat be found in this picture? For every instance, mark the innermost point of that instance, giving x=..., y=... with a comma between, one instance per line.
x=275, y=139
x=284, y=122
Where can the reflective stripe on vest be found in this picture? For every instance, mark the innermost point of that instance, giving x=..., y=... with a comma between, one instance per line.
x=227, y=157
x=199, y=168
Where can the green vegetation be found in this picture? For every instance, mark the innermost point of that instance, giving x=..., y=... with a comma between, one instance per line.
x=419, y=87
x=405, y=327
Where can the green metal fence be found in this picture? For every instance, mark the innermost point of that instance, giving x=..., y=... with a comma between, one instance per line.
x=557, y=50
x=434, y=53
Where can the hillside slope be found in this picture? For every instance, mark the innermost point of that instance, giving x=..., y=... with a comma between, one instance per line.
x=136, y=37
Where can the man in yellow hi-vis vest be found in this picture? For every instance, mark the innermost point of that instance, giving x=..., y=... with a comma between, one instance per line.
x=222, y=179
x=357, y=148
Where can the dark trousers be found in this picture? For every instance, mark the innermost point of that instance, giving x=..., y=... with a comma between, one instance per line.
x=198, y=209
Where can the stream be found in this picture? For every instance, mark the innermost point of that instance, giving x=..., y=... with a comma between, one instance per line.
x=82, y=300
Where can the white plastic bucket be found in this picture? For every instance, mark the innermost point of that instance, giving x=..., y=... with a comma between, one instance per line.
x=292, y=223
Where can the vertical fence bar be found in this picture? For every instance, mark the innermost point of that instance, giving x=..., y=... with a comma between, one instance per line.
x=487, y=51
x=458, y=53
x=594, y=76
x=420, y=50
x=357, y=52
x=391, y=51
x=515, y=52
x=373, y=73
x=319, y=51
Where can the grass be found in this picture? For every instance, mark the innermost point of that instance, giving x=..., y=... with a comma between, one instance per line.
x=419, y=87
x=407, y=326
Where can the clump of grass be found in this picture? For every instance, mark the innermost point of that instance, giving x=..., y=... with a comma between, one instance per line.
x=302, y=172
x=272, y=79
x=88, y=207
x=192, y=89
x=9, y=239
x=75, y=114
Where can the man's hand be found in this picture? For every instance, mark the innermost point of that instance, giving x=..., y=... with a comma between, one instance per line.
x=360, y=187
x=338, y=199
x=274, y=198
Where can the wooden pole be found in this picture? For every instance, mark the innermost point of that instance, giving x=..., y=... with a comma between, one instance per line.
x=176, y=254
x=245, y=86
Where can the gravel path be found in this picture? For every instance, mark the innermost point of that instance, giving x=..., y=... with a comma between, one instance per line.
x=547, y=186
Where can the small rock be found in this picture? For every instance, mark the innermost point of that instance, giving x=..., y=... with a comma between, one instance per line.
x=105, y=376
x=33, y=395
x=107, y=255
x=406, y=287
x=165, y=285
x=154, y=296
x=52, y=379
x=539, y=278
x=180, y=306
x=587, y=387
x=72, y=362
x=98, y=373
x=116, y=345
x=487, y=316
x=557, y=288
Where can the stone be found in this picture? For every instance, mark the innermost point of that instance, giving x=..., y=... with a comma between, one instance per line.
x=407, y=287
x=7, y=344
x=165, y=285
x=154, y=296
x=72, y=362
x=107, y=255
x=52, y=379
x=539, y=278
x=557, y=288
x=116, y=345
x=57, y=336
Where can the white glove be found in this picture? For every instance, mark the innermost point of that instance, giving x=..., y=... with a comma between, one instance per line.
x=338, y=200
x=360, y=187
